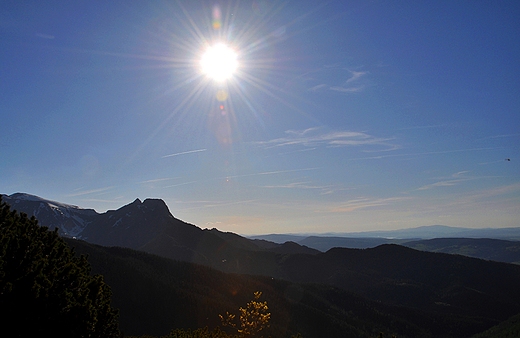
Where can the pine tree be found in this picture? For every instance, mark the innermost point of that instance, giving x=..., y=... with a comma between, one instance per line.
x=44, y=288
x=253, y=318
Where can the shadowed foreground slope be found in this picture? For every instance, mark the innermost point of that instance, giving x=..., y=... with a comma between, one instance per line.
x=155, y=295
x=434, y=282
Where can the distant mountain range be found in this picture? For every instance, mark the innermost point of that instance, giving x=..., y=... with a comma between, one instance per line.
x=400, y=289
x=423, y=232
x=437, y=231
x=499, y=244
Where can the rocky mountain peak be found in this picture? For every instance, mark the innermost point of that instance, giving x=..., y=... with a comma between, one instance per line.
x=156, y=205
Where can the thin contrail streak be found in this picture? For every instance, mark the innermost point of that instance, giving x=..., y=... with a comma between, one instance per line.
x=440, y=152
x=185, y=152
x=244, y=175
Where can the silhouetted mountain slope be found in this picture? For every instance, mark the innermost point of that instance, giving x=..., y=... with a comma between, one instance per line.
x=279, y=238
x=70, y=219
x=131, y=226
x=485, y=248
x=149, y=226
x=509, y=328
x=289, y=248
x=491, y=249
x=402, y=276
x=323, y=243
x=155, y=294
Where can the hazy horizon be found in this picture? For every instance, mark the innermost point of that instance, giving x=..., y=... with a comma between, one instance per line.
x=340, y=117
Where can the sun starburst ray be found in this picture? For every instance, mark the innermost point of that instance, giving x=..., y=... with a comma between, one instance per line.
x=223, y=66
x=264, y=87
x=187, y=102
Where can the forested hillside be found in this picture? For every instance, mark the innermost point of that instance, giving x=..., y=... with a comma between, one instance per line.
x=155, y=294
x=485, y=248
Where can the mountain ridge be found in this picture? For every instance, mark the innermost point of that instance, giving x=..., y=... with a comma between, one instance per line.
x=70, y=219
x=416, y=233
x=457, y=290
x=149, y=226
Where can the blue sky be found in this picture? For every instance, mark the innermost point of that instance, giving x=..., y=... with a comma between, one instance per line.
x=342, y=116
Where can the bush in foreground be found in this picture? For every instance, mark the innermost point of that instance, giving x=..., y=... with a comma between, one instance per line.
x=44, y=288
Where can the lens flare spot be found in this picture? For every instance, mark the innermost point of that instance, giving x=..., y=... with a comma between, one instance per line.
x=217, y=15
x=222, y=95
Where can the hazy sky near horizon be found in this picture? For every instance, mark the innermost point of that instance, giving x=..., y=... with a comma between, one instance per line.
x=342, y=116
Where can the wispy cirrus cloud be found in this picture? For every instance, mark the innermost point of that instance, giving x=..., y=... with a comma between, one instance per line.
x=455, y=179
x=354, y=83
x=275, y=172
x=203, y=204
x=500, y=136
x=297, y=185
x=431, y=126
x=501, y=198
x=302, y=132
x=513, y=189
x=356, y=76
x=89, y=192
x=181, y=184
x=314, y=137
x=446, y=183
x=263, y=173
x=158, y=180
x=347, y=89
x=427, y=153
x=365, y=202
x=323, y=189
x=318, y=87
x=45, y=36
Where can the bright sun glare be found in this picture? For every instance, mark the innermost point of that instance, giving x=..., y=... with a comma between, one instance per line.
x=219, y=62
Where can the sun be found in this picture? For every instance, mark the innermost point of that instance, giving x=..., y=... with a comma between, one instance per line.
x=219, y=62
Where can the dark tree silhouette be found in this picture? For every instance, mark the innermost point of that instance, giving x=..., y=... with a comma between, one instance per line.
x=44, y=288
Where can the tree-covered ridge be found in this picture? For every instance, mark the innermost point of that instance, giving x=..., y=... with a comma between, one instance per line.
x=506, y=329
x=44, y=288
x=484, y=248
x=155, y=295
